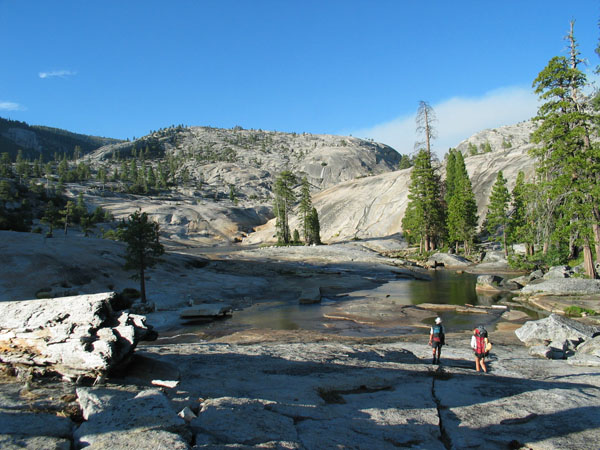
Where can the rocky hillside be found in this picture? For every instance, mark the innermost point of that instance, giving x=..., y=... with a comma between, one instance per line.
x=252, y=158
x=36, y=140
x=223, y=178
x=373, y=207
x=222, y=189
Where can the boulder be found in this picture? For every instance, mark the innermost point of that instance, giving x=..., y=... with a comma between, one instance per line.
x=494, y=256
x=511, y=285
x=489, y=283
x=72, y=336
x=563, y=286
x=542, y=351
x=590, y=347
x=206, y=310
x=558, y=272
x=447, y=260
x=554, y=328
x=535, y=275
x=310, y=295
x=521, y=281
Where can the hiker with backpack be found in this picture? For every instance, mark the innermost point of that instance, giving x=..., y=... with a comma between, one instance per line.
x=437, y=338
x=481, y=346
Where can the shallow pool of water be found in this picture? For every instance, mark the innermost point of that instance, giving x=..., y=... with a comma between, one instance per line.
x=446, y=287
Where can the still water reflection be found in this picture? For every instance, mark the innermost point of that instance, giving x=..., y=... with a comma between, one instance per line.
x=446, y=287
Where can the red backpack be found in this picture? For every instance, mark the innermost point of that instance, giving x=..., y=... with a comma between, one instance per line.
x=480, y=335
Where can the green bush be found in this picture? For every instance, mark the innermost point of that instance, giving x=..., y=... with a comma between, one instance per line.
x=576, y=311
x=131, y=293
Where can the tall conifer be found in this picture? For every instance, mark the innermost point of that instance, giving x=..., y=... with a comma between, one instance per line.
x=424, y=217
x=568, y=162
x=462, y=208
x=497, y=215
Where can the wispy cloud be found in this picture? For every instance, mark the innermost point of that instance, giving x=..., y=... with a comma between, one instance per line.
x=57, y=74
x=457, y=119
x=10, y=106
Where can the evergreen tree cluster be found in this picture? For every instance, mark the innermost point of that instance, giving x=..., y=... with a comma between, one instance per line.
x=460, y=201
x=558, y=215
x=31, y=190
x=284, y=203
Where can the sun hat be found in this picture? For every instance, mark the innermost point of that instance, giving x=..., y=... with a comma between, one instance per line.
x=438, y=320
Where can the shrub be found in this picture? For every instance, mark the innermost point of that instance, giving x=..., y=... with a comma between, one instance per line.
x=576, y=311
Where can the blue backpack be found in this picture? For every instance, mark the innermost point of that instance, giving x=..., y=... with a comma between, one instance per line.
x=438, y=334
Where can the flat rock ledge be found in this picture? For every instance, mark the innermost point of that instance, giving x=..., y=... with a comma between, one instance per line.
x=325, y=395
x=563, y=286
x=72, y=336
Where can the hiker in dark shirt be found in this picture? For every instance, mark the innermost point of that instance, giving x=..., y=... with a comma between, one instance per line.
x=437, y=338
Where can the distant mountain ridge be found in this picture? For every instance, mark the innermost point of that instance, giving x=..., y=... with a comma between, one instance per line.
x=34, y=140
x=324, y=159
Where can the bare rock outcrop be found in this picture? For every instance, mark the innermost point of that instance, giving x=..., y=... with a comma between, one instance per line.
x=73, y=336
x=563, y=286
x=373, y=206
x=125, y=419
x=447, y=260
x=557, y=337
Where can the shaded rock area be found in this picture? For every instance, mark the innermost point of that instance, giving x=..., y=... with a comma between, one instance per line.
x=318, y=392
x=73, y=336
x=119, y=418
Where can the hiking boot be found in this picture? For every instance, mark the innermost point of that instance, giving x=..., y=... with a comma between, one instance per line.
x=434, y=361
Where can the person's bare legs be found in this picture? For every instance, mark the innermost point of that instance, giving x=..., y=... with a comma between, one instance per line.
x=480, y=364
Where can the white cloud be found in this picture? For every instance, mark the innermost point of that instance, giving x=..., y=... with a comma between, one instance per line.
x=10, y=106
x=57, y=73
x=457, y=119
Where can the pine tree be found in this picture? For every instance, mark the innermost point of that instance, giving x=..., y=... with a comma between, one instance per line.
x=305, y=209
x=519, y=229
x=284, y=201
x=497, y=215
x=405, y=162
x=462, y=207
x=424, y=218
x=425, y=119
x=21, y=167
x=568, y=162
x=151, y=177
x=50, y=217
x=450, y=175
x=80, y=211
x=314, y=227
x=5, y=166
x=143, y=247
x=67, y=214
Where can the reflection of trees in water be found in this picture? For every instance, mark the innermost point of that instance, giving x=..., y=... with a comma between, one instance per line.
x=445, y=288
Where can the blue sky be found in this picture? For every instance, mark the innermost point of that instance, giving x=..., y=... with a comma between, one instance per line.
x=122, y=68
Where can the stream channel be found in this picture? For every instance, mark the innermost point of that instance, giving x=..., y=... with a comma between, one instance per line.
x=374, y=312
